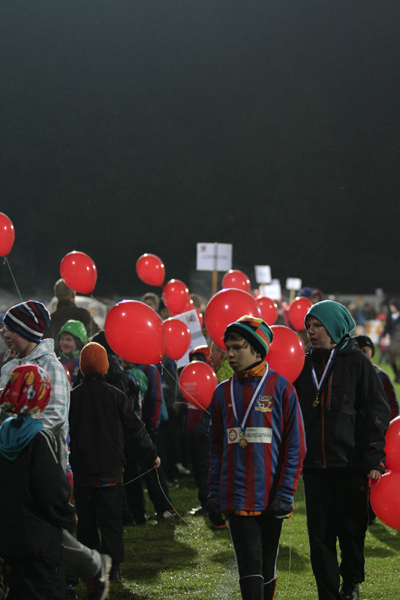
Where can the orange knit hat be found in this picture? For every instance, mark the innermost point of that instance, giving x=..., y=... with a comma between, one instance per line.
x=93, y=359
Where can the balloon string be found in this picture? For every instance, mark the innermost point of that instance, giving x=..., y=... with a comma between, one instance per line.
x=161, y=488
x=194, y=401
x=13, y=278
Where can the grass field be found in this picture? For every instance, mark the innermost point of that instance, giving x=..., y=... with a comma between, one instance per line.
x=185, y=558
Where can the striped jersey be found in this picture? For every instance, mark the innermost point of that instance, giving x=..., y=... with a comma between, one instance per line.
x=249, y=466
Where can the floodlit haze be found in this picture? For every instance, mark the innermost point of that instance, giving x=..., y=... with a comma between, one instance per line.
x=133, y=126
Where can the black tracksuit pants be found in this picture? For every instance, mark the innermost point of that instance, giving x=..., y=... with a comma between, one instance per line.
x=337, y=508
x=256, y=544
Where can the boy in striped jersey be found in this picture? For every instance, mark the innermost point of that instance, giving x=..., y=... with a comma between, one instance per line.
x=257, y=448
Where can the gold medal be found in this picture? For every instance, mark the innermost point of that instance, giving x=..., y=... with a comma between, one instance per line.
x=243, y=442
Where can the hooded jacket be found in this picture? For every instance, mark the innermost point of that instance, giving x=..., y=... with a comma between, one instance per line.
x=347, y=427
x=55, y=415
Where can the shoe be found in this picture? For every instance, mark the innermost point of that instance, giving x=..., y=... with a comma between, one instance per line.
x=167, y=514
x=173, y=485
x=182, y=470
x=219, y=526
x=198, y=512
x=115, y=574
x=97, y=587
x=350, y=591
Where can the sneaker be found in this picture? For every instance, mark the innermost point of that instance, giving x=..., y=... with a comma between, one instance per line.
x=167, y=514
x=350, y=591
x=97, y=587
x=182, y=470
x=217, y=527
x=115, y=574
x=198, y=512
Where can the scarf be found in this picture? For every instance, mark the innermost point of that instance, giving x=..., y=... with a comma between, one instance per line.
x=15, y=435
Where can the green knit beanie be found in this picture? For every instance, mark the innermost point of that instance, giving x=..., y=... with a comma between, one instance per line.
x=75, y=328
x=334, y=317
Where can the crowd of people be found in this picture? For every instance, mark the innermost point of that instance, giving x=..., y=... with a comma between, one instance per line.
x=83, y=431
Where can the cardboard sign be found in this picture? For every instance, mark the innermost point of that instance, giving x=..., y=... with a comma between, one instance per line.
x=214, y=257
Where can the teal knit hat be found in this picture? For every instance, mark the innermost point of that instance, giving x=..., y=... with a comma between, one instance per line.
x=334, y=317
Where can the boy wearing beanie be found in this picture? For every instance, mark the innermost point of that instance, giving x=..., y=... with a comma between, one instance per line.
x=98, y=414
x=256, y=452
x=34, y=501
x=23, y=328
x=70, y=340
x=346, y=415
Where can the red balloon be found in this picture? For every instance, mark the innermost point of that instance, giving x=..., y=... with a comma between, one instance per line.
x=150, y=269
x=177, y=338
x=225, y=307
x=135, y=332
x=7, y=235
x=286, y=353
x=237, y=280
x=175, y=296
x=269, y=309
x=197, y=383
x=200, y=316
x=79, y=272
x=189, y=305
x=385, y=499
x=392, y=446
x=297, y=312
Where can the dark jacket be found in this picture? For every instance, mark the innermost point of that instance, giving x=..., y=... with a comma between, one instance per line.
x=34, y=500
x=99, y=414
x=347, y=427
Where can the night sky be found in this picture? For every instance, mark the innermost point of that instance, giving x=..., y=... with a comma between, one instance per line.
x=133, y=126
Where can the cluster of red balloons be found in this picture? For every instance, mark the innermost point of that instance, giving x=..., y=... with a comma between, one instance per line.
x=79, y=272
x=385, y=493
x=197, y=383
x=7, y=235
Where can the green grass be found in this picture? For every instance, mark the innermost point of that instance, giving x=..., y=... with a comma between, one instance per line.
x=185, y=558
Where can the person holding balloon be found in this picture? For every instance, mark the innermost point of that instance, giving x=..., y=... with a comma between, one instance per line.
x=257, y=448
x=346, y=415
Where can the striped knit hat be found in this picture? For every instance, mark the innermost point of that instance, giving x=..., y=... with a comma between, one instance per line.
x=30, y=319
x=255, y=331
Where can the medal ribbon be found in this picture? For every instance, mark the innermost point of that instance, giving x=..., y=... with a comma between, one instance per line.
x=253, y=399
x=319, y=384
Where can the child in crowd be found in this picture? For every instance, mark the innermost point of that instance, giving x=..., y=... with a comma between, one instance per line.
x=70, y=340
x=257, y=449
x=367, y=347
x=98, y=414
x=219, y=363
x=34, y=501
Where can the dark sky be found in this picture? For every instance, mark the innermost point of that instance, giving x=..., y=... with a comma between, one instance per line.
x=132, y=126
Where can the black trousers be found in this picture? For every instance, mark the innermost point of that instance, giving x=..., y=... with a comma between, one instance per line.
x=337, y=509
x=200, y=458
x=256, y=544
x=40, y=577
x=100, y=508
